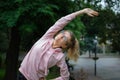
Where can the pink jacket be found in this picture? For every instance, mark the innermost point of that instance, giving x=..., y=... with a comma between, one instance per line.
x=42, y=56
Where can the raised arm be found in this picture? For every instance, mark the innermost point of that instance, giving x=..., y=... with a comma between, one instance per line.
x=62, y=22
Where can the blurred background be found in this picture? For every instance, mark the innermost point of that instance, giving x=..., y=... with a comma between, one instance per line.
x=23, y=22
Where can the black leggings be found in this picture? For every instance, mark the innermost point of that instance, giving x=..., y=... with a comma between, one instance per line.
x=21, y=76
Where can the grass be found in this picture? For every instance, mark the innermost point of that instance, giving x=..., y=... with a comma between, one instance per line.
x=2, y=72
x=54, y=72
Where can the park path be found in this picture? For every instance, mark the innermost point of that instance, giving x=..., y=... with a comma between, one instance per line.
x=108, y=68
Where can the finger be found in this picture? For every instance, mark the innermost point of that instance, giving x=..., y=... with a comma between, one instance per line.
x=95, y=13
x=90, y=15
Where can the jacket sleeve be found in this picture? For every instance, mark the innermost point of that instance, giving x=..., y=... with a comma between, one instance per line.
x=64, y=73
x=59, y=25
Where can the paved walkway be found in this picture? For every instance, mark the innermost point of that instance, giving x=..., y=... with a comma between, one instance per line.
x=108, y=68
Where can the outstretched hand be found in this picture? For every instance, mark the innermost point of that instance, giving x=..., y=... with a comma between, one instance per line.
x=90, y=12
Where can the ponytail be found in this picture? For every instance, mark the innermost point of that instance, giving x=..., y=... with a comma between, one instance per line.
x=72, y=47
x=73, y=51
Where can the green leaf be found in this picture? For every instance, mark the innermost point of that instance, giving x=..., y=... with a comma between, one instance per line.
x=27, y=28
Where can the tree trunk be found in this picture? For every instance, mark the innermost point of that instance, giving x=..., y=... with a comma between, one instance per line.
x=0, y=61
x=12, y=55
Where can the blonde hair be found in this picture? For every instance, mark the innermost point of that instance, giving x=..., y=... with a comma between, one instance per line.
x=73, y=51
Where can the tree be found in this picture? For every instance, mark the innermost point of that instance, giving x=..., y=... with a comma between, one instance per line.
x=114, y=33
x=15, y=14
x=105, y=26
x=24, y=18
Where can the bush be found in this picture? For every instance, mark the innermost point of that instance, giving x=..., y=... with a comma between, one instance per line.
x=53, y=73
x=2, y=73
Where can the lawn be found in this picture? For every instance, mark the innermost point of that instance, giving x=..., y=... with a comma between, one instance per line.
x=2, y=72
x=53, y=73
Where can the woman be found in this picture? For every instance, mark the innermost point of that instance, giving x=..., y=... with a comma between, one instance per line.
x=48, y=50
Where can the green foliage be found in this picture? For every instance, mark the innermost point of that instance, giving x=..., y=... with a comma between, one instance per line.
x=3, y=39
x=114, y=32
x=18, y=8
x=2, y=72
x=26, y=32
x=54, y=72
x=27, y=28
x=77, y=27
x=106, y=25
x=31, y=16
x=9, y=14
x=35, y=17
x=27, y=15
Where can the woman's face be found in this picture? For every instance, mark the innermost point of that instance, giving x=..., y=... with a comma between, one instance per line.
x=62, y=39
